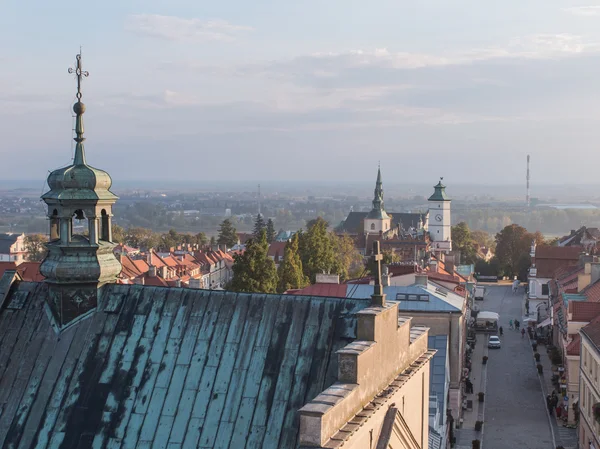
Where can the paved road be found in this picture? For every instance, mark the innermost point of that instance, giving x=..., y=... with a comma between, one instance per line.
x=515, y=415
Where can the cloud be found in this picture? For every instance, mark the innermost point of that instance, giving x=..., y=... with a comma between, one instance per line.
x=181, y=29
x=588, y=11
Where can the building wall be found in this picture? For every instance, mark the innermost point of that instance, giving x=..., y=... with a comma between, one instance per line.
x=440, y=231
x=412, y=401
x=589, y=394
x=374, y=226
x=572, y=384
x=451, y=324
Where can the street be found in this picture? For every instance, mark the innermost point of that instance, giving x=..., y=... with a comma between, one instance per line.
x=515, y=411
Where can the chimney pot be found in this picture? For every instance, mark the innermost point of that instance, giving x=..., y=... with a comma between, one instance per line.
x=421, y=279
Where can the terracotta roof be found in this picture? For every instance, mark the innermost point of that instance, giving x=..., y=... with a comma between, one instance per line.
x=584, y=311
x=155, y=281
x=141, y=265
x=574, y=348
x=592, y=292
x=276, y=250
x=592, y=331
x=29, y=271
x=566, y=272
x=548, y=259
x=331, y=290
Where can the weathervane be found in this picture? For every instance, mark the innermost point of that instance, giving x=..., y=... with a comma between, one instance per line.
x=79, y=72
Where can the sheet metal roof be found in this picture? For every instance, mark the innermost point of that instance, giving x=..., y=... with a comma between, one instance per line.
x=429, y=299
x=167, y=368
x=438, y=372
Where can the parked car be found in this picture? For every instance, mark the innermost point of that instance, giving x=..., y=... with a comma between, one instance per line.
x=494, y=342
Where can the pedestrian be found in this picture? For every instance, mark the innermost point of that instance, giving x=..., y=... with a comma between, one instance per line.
x=517, y=324
x=510, y=323
x=522, y=333
x=501, y=331
x=549, y=404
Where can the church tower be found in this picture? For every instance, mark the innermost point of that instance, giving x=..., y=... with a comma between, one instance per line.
x=440, y=230
x=377, y=219
x=76, y=265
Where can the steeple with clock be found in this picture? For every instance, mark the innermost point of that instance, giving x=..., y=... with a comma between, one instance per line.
x=440, y=220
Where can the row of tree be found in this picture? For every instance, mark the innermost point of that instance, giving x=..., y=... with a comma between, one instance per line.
x=228, y=234
x=310, y=252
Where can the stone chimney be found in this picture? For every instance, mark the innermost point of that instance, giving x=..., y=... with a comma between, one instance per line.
x=450, y=264
x=386, y=277
x=178, y=283
x=421, y=279
x=433, y=265
x=149, y=257
x=195, y=283
x=323, y=278
x=152, y=271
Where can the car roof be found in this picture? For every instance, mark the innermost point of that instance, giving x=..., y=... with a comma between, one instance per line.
x=494, y=336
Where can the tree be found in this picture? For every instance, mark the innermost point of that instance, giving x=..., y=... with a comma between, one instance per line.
x=483, y=239
x=141, y=238
x=227, y=234
x=316, y=249
x=463, y=242
x=35, y=245
x=253, y=270
x=512, y=248
x=270, y=231
x=389, y=256
x=201, y=240
x=290, y=271
x=259, y=225
x=118, y=233
x=348, y=262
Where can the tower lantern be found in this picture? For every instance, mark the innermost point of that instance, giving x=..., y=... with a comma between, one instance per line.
x=77, y=264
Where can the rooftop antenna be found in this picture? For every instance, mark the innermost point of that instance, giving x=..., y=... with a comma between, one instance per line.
x=258, y=199
x=528, y=198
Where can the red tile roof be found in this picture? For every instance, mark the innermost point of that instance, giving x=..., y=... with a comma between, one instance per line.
x=29, y=271
x=583, y=311
x=592, y=331
x=574, y=348
x=592, y=292
x=548, y=259
x=331, y=290
x=276, y=250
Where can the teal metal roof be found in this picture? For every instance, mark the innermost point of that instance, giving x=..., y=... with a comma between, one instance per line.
x=173, y=368
x=440, y=193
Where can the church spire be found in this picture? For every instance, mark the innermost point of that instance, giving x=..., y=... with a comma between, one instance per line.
x=378, y=210
x=79, y=109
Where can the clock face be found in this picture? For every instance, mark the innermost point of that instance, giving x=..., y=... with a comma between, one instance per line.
x=438, y=217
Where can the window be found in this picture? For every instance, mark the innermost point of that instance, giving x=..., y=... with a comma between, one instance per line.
x=372, y=226
x=545, y=289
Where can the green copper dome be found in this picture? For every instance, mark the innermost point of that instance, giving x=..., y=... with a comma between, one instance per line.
x=79, y=181
x=440, y=192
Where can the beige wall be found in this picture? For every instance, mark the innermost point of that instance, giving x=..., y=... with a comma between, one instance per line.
x=589, y=393
x=412, y=401
x=572, y=383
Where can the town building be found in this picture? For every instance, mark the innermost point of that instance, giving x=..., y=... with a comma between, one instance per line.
x=12, y=248
x=589, y=386
x=584, y=237
x=545, y=261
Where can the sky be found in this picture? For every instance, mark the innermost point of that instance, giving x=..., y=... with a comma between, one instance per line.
x=307, y=91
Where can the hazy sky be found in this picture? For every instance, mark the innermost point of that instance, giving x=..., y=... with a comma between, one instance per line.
x=305, y=90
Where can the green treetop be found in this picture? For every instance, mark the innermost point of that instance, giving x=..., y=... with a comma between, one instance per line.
x=253, y=270
x=316, y=249
x=270, y=231
x=259, y=225
x=227, y=234
x=290, y=270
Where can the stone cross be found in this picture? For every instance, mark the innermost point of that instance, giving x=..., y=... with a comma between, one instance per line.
x=378, y=297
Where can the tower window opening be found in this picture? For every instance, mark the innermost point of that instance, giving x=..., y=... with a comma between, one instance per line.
x=79, y=224
x=54, y=226
x=105, y=227
x=372, y=226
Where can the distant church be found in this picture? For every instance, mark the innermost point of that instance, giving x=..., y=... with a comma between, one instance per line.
x=411, y=235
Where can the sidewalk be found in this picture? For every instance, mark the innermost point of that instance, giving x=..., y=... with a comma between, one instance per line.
x=564, y=436
x=467, y=433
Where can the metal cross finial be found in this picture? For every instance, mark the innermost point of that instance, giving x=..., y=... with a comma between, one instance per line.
x=79, y=72
x=441, y=178
x=378, y=297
